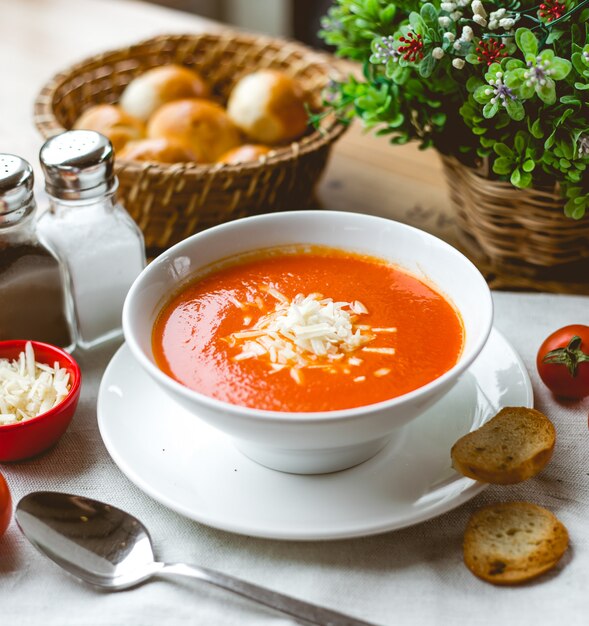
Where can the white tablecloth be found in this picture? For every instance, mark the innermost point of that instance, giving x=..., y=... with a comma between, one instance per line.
x=408, y=577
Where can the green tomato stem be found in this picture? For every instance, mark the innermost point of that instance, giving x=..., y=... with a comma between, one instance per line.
x=571, y=356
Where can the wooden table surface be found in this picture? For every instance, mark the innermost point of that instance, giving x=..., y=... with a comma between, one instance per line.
x=365, y=174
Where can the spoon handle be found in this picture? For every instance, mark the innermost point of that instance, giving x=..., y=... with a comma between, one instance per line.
x=285, y=604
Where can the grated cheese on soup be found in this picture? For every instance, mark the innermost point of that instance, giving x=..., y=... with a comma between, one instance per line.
x=308, y=332
x=28, y=388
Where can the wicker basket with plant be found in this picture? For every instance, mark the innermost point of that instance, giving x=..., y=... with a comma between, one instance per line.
x=501, y=89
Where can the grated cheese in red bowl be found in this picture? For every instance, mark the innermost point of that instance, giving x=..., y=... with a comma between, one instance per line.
x=29, y=388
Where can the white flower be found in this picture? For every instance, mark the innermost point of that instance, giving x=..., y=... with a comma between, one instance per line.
x=444, y=21
x=478, y=8
x=507, y=23
x=437, y=53
x=457, y=44
x=480, y=20
x=458, y=63
x=539, y=73
x=501, y=94
x=498, y=14
x=583, y=142
x=463, y=3
x=384, y=50
x=456, y=15
x=498, y=19
x=447, y=6
x=451, y=37
x=467, y=34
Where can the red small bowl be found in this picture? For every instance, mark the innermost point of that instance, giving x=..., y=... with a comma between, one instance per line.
x=30, y=437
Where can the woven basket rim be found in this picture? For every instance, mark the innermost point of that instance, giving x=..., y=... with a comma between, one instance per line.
x=482, y=169
x=47, y=124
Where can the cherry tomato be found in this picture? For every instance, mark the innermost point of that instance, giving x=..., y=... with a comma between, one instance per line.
x=563, y=361
x=5, y=505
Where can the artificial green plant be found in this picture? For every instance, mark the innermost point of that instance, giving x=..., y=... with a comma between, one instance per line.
x=506, y=81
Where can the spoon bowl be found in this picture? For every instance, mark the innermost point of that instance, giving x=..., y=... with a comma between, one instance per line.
x=94, y=541
x=109, y=548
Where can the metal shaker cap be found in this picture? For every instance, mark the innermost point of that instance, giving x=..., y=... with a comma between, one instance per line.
x=16, y=183
x=78, y=164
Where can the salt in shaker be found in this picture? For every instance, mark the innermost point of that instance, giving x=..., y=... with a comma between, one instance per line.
x=34, y=300
x=99, y=241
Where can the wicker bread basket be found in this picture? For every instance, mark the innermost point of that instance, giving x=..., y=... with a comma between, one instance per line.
x=519, y=237
x=170, y=202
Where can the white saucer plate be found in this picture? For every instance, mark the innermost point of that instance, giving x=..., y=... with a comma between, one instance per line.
x=195, y=470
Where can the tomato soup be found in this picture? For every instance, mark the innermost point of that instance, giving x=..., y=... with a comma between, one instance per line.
x=308, y=329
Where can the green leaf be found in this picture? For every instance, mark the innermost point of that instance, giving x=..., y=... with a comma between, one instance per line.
x=574, y=192
x=570, y=99
x=387, y=14
x=439, y=119
x=490, y=109
x=427, y=64
x=547, y=92
x=536, y=130
x=473, y=83
x=526, y=41
x=481, y=95
x=579, y=64
x=567, y=148
x=554, y=36
x=502, y=150
x=529, y=165
x=526, y=91
x=417, y=23
x=502, y=166
x=576, y=211
x=515, y=110
x=492, y=72
x=526, y=180
x=429, y=14
x=513, y=64
x=560, y=68
x=515, y=78
x=519, y=143
x=547, y=56
x=515, y=178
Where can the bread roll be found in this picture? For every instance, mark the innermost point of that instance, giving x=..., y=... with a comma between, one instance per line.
x=242, y=154
x=112, y=121
x=201, y=125
x=146, y=93
x=160, y=150
x=269, y=107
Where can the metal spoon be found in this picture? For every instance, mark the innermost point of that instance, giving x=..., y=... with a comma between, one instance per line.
x=111, y=549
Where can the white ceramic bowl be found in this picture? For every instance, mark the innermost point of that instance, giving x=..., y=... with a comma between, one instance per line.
x=320, y=441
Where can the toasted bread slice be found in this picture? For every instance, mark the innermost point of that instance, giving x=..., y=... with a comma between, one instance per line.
x=510, y=543
x=513, y=446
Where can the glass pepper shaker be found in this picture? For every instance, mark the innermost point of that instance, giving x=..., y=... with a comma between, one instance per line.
x=34, y=300
x=100, y=243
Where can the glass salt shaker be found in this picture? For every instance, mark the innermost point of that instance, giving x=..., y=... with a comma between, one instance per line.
x=34, y=298
x=100, y=243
